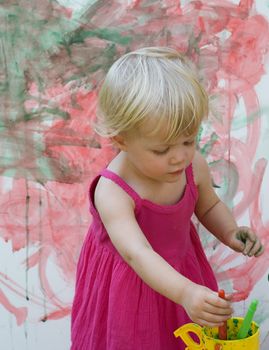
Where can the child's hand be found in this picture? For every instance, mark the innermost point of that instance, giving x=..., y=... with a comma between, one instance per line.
x=244, y=240
x=205, y=307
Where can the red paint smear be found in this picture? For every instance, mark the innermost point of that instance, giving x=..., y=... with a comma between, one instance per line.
x=68, y=12
x=15, y=288
x=74, y=143
x=19, y=312
x=244, y=51
x=62, y=230
x=56, y=315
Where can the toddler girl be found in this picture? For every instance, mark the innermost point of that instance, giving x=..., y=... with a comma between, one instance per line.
x=142, y=271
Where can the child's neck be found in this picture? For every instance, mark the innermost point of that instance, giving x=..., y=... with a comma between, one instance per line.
x=162, y=193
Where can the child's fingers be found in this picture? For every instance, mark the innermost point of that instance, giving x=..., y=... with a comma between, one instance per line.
x=212, y=320
x=215, y=311
x=241, y=240
x=253, y=248
x=245, y=234
x=249, y=245
x=205, y=323
x=221, y=311
x=259, y=251
x=215, y=305
x=252, y=244
x=228, y=297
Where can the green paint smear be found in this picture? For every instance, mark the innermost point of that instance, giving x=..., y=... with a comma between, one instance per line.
x=207, y=148
x=80, y=35
x=244, y=121
x=109, y=53
x=28, y=42
x=235, y=321
x=44, y=167
x=46, y=112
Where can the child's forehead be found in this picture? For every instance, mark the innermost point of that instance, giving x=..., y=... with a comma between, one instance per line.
x=154, y=129
x=160, y=135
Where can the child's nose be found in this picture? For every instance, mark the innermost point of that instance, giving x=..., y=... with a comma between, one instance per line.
x=179, y=156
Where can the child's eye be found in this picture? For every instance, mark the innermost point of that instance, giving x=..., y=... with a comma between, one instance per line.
x=189, y=143
x=160, y=152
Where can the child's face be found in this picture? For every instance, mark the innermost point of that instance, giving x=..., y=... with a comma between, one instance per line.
x=153, y=158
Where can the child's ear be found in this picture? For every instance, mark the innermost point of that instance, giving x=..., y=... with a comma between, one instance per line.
x=120, y=142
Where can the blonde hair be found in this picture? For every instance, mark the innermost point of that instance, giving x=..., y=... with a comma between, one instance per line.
x=153, y=82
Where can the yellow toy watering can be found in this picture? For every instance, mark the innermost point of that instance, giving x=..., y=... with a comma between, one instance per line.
x=208, y=336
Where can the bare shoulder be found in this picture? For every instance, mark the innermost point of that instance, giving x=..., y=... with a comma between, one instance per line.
x=110, y=199
x=201, y=170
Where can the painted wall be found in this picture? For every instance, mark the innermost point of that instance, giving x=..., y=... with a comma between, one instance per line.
x=53, y=56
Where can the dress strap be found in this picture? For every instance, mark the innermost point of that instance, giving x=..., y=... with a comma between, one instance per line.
x=121, y=183
x=190, y=180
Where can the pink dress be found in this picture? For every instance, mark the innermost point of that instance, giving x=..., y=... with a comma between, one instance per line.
x=113, y=308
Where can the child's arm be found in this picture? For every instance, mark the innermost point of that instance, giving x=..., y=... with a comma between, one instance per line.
x=116, y=210
x=216, y=216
